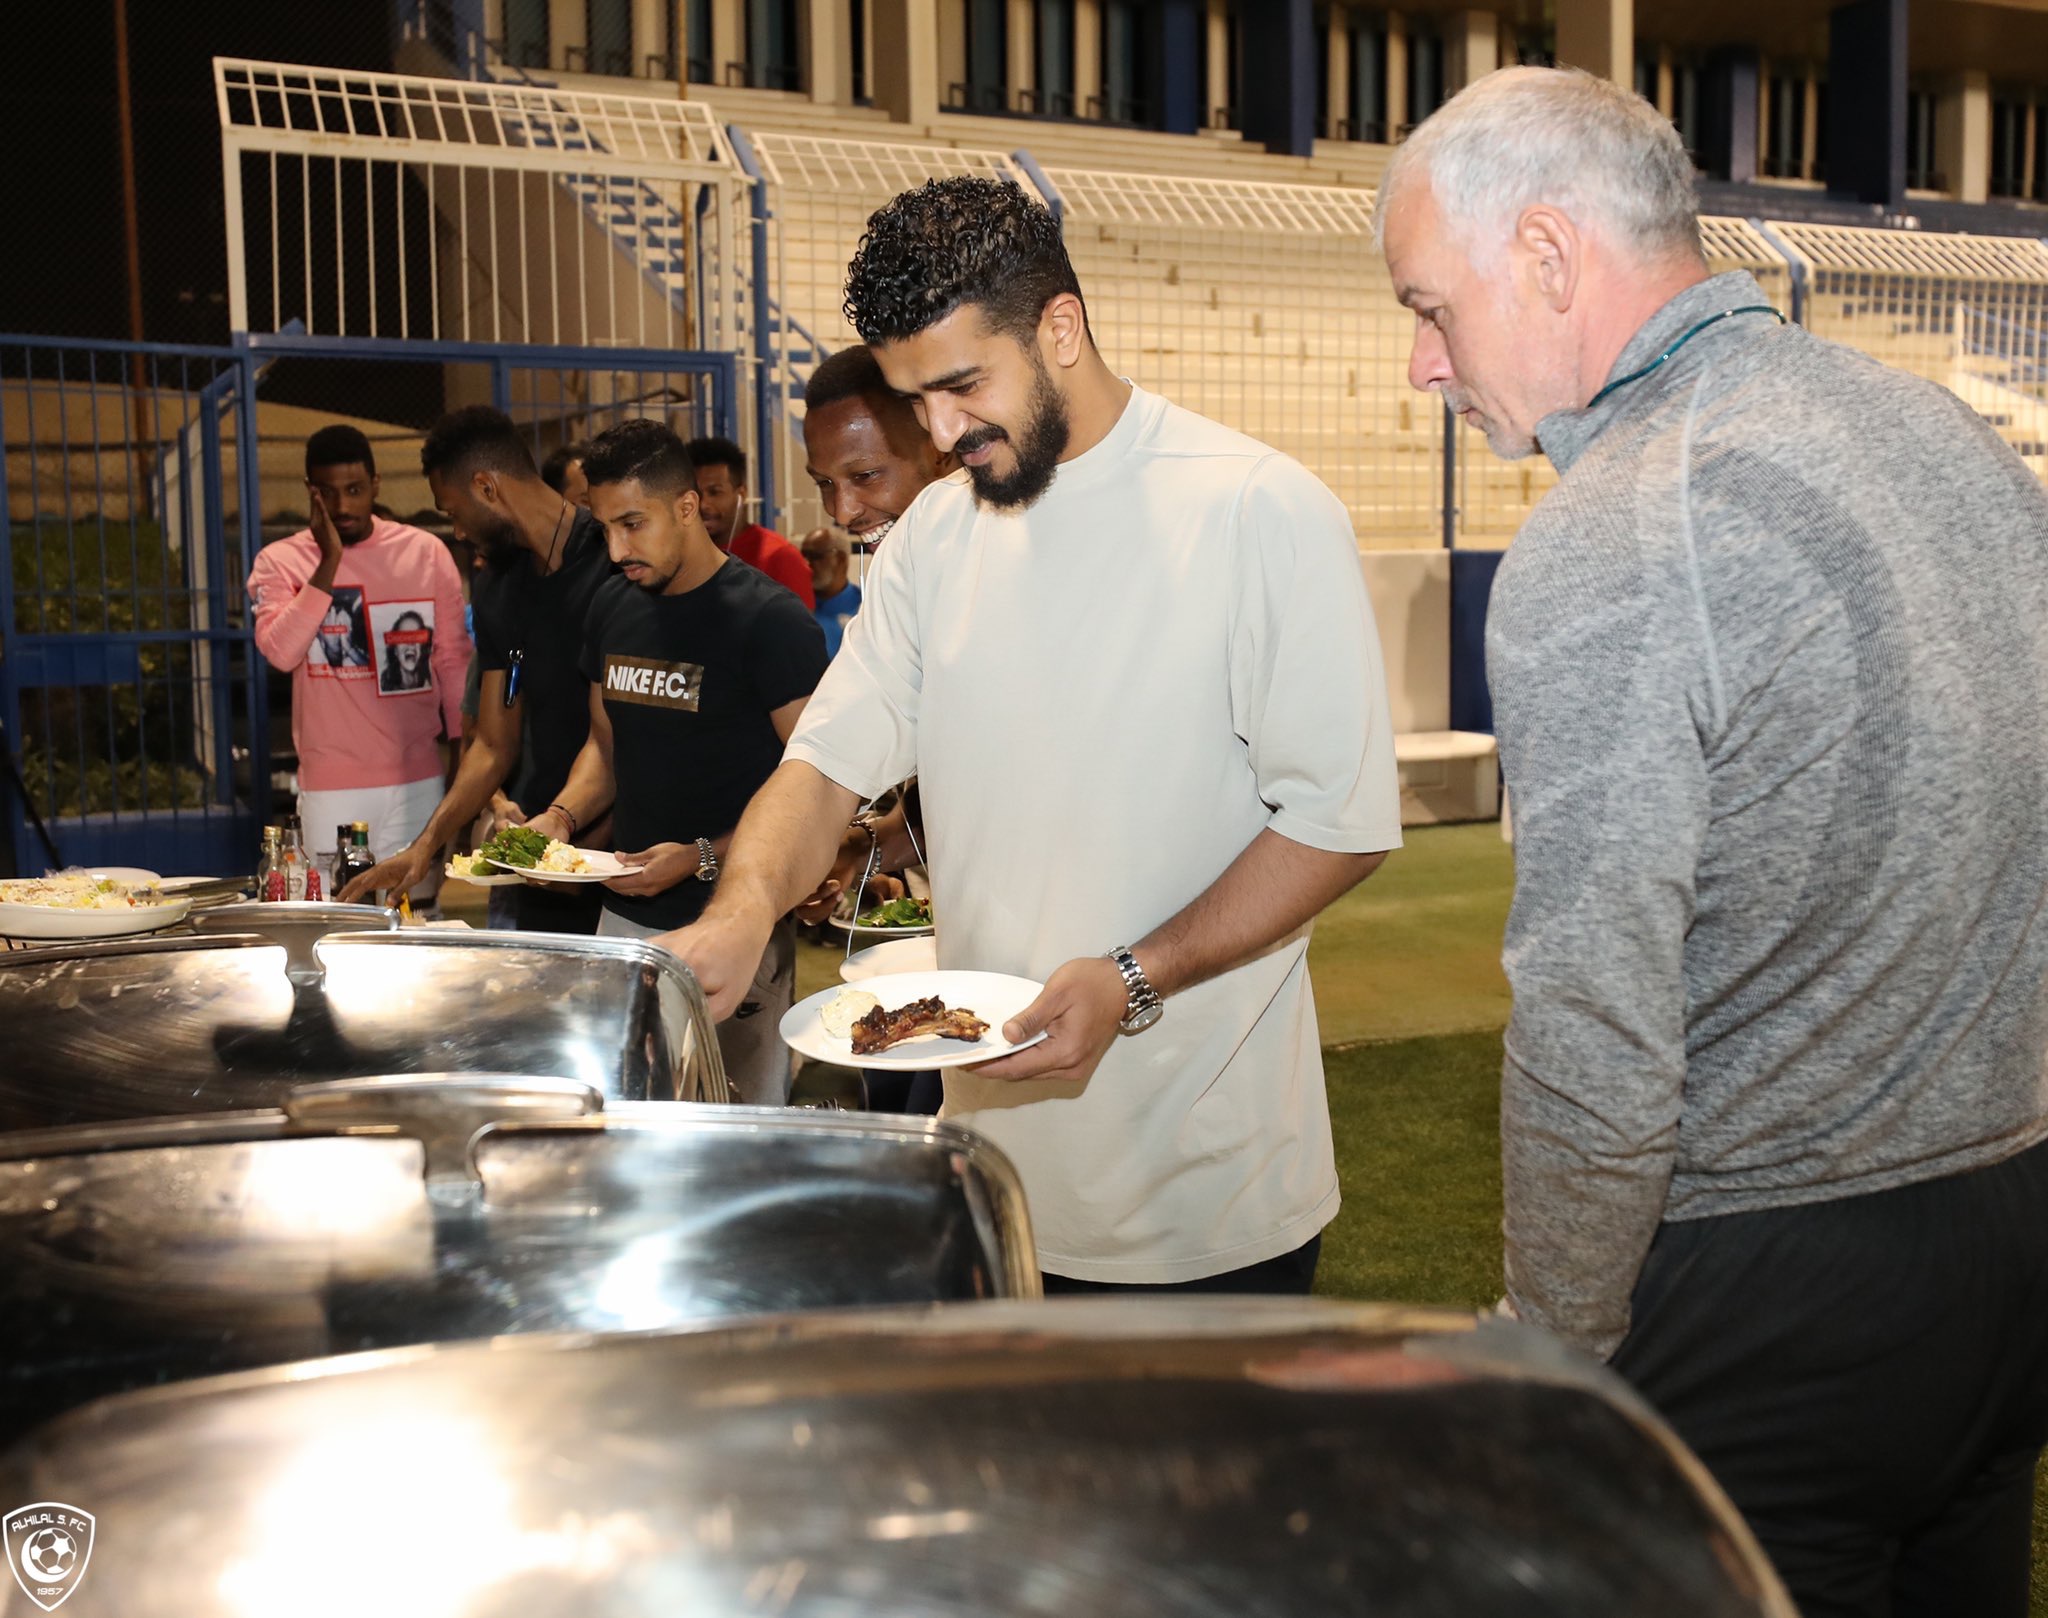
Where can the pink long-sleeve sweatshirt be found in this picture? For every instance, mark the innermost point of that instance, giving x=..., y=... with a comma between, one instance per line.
x=377, y=665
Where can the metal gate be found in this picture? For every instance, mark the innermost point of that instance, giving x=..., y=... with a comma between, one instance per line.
x=142, y=479
x=127, y=683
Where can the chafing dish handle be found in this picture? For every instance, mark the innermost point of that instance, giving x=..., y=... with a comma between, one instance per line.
x=445, y=1113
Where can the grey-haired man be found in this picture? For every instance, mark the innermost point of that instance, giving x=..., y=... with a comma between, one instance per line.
x=1770, y=673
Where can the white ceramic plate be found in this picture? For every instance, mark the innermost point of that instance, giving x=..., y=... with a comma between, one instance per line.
x=132, y=875
x=994, y=997
x=603, y=867
x=42, y=922
x=898, y=955
x=458, y=871
x=848, y=926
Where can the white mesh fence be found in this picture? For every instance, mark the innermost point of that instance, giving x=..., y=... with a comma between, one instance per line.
x=1496, y=496
x=390, y=205
x=821, y=190
x=1264, y=307
x=1968, y=312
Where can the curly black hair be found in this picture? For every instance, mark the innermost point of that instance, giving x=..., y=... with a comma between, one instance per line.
x=957, y=241
x=642, y=450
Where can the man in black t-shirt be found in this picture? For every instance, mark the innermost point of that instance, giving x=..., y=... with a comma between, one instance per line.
x=698, y=668
x=545, y=558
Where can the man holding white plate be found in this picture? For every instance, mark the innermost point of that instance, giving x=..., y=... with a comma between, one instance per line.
x=1130, y=656
x=698, y=669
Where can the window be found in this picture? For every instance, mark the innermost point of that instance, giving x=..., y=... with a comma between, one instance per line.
x=1922, y=174
x=772, y=35
x=1054, y=30
x=1646, y=73
x=526, y=33
x=987, y=55
x=1425, y=73
x=1123, y=62
x=1685, y=106
x=1369, y=80
x=2009, y=146
x=1819, y=170
x=1319, y=27
x=2040, y=192
x=1784, y=154
x=608, y=26
x=697, y=23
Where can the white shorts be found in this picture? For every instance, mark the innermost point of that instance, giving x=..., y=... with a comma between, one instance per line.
x=395, y=816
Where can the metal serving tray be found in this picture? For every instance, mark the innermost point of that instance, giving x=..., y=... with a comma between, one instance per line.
x=1065, y=1459
x=365, y=1214
x=140, y=1028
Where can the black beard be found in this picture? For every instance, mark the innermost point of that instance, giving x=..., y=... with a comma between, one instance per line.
x=1038, y=454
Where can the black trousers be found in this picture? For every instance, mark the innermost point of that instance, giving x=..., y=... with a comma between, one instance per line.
x=1868, y=1379
x=1293, y=1272
x=564, y=908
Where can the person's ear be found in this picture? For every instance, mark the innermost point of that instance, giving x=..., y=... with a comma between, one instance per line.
x=1551, y=249
x=686, y=506
x=1063, y=330
x=485, y=487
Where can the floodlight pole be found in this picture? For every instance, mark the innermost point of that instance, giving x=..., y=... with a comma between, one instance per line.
x=132, y=233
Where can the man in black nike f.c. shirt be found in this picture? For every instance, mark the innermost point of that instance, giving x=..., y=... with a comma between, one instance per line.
x=699, y=667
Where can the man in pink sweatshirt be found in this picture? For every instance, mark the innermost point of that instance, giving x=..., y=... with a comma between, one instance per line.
x=366, y=615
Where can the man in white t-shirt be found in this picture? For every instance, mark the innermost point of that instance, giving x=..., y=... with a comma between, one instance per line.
x=1130, y=656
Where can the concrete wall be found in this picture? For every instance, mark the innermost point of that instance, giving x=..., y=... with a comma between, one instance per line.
x=532, y=225
x=1411, y=601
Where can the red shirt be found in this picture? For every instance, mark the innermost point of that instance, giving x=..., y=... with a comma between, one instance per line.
x=775, y=556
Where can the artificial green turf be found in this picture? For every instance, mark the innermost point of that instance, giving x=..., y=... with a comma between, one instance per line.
x=1418, y=1156
x=1415, y=949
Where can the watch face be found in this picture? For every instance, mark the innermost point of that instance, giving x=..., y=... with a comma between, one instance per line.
x=1143, y=1020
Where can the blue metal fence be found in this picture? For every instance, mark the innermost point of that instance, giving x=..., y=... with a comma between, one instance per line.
x=134, y=701
x=127, y=685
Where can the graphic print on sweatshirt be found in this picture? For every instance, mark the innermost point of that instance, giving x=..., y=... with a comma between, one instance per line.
x=403, y=632
x=341, y=646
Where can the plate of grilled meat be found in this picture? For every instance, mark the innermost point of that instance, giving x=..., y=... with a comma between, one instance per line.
x=911, y=1020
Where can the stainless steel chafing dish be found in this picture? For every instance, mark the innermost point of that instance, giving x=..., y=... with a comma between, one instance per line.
x=368, y=1213
x=160, y=1026
x=1085, y=1459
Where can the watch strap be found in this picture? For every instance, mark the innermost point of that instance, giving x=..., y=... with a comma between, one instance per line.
x=1140, y=998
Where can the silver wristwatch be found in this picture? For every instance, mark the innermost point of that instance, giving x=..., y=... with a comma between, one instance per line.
x=1142, y=1005
x=707, y=861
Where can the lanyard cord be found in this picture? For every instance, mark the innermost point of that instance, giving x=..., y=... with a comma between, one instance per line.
x=1637, y=376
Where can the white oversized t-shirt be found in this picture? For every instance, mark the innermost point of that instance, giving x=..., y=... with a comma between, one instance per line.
x=1106, y=697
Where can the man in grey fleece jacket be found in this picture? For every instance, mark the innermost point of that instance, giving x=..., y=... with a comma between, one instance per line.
x=1770, y=676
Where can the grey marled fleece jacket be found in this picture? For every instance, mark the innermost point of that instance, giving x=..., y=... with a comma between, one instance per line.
x=1770, y=676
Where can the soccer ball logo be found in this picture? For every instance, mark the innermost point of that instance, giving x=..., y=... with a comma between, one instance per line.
x=49, y=1554
x=48, y=1544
